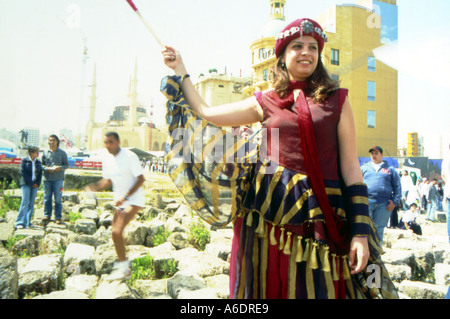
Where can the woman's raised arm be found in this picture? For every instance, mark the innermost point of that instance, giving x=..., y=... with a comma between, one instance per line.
x=232, y=114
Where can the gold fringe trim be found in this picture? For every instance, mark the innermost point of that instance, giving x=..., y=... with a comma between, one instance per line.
x=281, y=245
x=345, y=270
x=273, y=240
x=326, y=260
x=307, y=250
x=309, y=277
x=335, y=272
x=293, y=269
x=324, y=254
x=261, y=230
x=312, y=262
x=249, y=219
x=299, y=254
x=287, y=247
x=264, y=261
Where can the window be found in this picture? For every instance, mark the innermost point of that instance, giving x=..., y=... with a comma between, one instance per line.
x=371, y=64
x=371, y=119
x=262, y=53
x=277, y=7
x=334, y=57
x=371, y=91
x=266, y=75
x=335, y=77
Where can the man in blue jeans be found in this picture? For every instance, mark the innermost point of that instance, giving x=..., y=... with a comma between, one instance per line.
x=54, y=162
x=433, y=200
x=384, y=187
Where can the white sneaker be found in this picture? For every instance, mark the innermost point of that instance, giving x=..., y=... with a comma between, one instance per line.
x=121, y=271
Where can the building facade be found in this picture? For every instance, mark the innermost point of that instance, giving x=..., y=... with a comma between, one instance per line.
x=217, y=89
x=413, y=144
x=263, y=48
x=355, y=32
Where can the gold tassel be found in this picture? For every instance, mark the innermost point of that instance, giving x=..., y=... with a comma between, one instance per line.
x=249, y=219
x=335, y=273
x=345, y=270
x=261, y=227
x=299, y=256
x=281, y=245
x=326, y=260
x=307, y=249
x=313, y=257
x=273, y=241
x=287, y=247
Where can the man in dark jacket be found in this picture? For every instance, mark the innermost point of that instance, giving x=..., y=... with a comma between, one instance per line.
x=384, y=187
x=55, y=162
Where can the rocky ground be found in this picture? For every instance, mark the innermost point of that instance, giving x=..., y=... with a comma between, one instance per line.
x=71, y=260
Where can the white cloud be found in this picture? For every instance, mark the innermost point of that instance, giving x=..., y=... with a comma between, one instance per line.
x=424, y=59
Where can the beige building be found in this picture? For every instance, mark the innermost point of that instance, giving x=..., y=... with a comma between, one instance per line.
x=217, y=89
x=130, y=120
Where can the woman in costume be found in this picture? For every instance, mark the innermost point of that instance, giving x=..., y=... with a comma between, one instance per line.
x=301, y=228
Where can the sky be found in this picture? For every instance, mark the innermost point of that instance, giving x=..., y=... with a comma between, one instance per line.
x=45, y=76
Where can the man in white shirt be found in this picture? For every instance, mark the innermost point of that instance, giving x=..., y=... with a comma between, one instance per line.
x=407, y=185
x=408, y=220
x=123, y=171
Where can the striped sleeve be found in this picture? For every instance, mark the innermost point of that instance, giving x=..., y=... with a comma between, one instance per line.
x=357, y=206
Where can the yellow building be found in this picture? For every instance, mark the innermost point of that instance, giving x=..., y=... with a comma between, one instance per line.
x=263, y=48
x=129, y=120
x=354, y=32
x=413, y=145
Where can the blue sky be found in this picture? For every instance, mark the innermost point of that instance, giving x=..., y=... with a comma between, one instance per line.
x=44, y=82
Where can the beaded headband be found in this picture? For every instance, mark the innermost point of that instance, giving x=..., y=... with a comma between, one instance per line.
x=297, y=29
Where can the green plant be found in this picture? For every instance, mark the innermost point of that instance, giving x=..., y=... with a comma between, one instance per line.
x=12, y=240
x=62, y=276
x=169, y=267
x=9, y=203
x=74, y=217
x=142, y=268
x=199, y=235
x=161, y=237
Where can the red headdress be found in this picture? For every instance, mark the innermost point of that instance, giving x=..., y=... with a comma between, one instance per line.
x=296, y=29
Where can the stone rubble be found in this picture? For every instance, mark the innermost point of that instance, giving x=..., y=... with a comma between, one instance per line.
x=71, y=260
